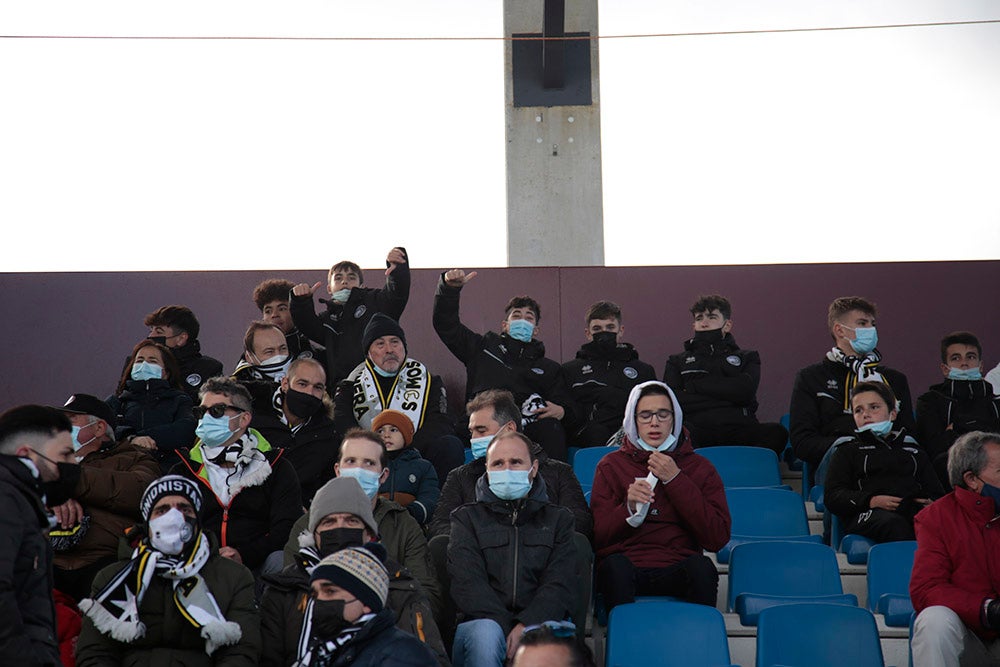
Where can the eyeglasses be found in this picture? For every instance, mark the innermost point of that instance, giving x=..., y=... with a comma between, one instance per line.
x=555, y=628
x=646, y=416
x=217, y=410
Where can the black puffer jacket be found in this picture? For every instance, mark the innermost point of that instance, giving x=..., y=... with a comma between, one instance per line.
x=600, y=379
x=561, y=488
x=339, y=329
x=964, y=405
x=714, y=379
x=512, y=561
x=870, y=466
x=28, y=631
x=153, y=408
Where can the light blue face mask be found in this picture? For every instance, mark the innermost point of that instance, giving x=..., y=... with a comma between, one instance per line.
x=385, y=374
x=77, y=445
x=521, y=330
x=509, y=484
x=143, y=370
x=479, y=446
x=665, y=447
x=865, y=340
x=878, y=428
x=366, y=478
x=342, y=295
x=965, y=374
x=213, y=431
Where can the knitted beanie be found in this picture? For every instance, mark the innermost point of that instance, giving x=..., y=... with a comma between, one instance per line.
x=342, y=495
x=397, y=419
x=358, y=570
x=381, y=325
x=169, y=485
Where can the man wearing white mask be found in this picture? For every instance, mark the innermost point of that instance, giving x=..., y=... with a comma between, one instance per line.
x=265, y=354
x=255, y=492
x=657, y=506
x=174, y=601
x=511, y=557
x=821, y=415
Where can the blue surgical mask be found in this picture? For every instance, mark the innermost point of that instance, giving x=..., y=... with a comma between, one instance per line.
x=866, y=338
x=143, y=370
x=368, y=480
x=993, y=492
x=666, y=446
x=965, y=374
x=509, y=484
x=342, y=295
x=213, y=431
x=878, y=428
x=479, y=446
x=520, y=330
x=385, y=374
x=77, y=445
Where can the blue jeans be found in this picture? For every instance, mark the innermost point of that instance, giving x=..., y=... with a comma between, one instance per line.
x=479, y=643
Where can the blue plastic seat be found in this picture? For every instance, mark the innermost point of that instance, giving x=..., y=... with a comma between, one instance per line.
x=816, y=496
x=666, y=634
x=744, y=466
x=760, y=515
x=585, y=463
x=767, y=574
x=818, y=635
x=889, y=568
x=856, y=547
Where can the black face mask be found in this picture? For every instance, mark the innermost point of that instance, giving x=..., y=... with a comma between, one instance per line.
x=302, y=405
x=162, y=340
x=713, y=336
x=335, y=539
x=605, y=338
x=328, y=619
x=60, y=490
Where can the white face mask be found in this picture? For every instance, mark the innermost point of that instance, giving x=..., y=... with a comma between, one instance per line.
x=169, y=533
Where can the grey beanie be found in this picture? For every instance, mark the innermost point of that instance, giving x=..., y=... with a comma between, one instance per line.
x=342, y=494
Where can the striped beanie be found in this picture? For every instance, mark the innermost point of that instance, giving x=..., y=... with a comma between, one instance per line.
x=169, y=485
x=359, y=571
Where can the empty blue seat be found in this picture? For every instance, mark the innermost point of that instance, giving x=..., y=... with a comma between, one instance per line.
x=766, y=574
x=818, y=635
x=585, y=463
x=765, y=515
x=816, y=496
x=856, y=547
x=744, y=466
x=889, y=568
x=666, y=634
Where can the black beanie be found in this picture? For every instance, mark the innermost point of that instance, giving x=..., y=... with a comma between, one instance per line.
x=380, y=325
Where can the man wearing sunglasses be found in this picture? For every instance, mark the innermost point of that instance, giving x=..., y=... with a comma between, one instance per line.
x=255, y=495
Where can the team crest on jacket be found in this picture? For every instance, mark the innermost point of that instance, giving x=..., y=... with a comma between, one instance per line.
x=412, y=478
x=360, y=312
x=586, y=369
x=734, y=360
x=538, y=371
x=831, y=384
x=630, y=372
x=194, y=379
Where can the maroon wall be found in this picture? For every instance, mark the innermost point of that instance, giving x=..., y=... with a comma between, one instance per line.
x=69, y=332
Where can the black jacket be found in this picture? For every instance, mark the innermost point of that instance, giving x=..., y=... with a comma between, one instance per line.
x=497, y=361
x=561, y=487
x=259, y=518
x=512, y=561
x=28, y=631
x=965, y=405
x=870, y=466
x=600, y=379
x=412, y=475
x=339, y=329
x=821, y=408
x=153, y=408
x=195, y=367
x=715, y=381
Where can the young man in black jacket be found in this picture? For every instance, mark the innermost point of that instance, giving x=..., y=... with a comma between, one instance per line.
x=178, y=328
x=602, y=375
x=716, y=383
x=350, y=307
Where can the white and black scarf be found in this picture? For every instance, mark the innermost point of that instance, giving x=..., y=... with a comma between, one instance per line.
x=860, y=369
x=316, y=652
x=115, y=610
x=411, y=389
x=251, y=466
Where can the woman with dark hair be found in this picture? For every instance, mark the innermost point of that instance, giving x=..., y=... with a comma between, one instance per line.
x=878, y=481
x=153, y=411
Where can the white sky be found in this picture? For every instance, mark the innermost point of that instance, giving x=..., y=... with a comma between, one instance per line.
x=228, y=154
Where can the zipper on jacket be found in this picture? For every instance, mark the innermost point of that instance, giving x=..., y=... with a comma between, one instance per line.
x=225, y=524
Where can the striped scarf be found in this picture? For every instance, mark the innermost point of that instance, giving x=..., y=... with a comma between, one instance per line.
x=319, y=652
x=860, y=369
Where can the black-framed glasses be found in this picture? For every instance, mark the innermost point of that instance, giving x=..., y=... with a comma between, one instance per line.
x=646, y=416
x=217, y=410
x=555, y=628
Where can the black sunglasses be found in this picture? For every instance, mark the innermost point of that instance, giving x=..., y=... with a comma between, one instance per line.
x=555, y=628
x=217, y=410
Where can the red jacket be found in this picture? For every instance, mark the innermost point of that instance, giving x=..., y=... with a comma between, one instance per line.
x=957, y=564
x=688, y=515
x=69, y=620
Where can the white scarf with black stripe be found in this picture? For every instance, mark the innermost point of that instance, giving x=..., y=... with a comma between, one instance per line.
x=317, y=652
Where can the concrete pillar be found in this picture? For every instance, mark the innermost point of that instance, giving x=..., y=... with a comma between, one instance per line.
x=554, y=202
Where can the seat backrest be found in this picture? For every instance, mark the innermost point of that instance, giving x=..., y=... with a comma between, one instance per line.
x=585, y=463
x=767, y=512
x=818, y=635
x=667, y=634
x=889, y=567
x=744, y=466
x=783, y=568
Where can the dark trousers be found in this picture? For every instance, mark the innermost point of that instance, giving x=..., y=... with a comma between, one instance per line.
x=882, y=526
x=708, y=434
x=445, y=453
x=77, y=583
x=550, y=435
x=693, y=579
